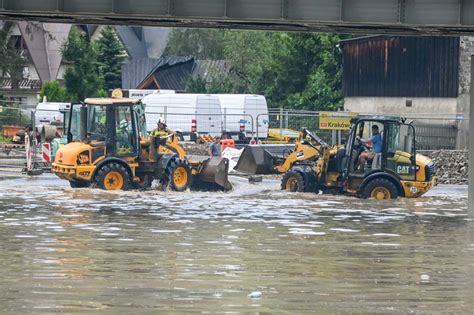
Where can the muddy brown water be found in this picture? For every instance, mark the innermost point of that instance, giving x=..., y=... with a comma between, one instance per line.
x=74, y=251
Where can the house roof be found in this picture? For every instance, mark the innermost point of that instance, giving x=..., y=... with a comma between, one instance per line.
x=144, y=42
x=169, y=72
x=137, y=71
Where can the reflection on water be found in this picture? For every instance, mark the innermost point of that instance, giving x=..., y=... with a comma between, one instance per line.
x=89, y=250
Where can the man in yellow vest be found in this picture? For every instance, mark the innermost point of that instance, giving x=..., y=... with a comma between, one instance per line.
x=162, y=130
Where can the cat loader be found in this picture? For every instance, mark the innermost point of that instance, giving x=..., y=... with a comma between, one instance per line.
x=313, y=165
x=113, y=151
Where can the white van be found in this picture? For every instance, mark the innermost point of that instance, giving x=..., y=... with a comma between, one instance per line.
x=50, y=113
x=188, y=114
x=240, y=110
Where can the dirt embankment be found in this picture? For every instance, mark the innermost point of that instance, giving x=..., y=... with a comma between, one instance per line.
x=452, y=165
x=192, y=148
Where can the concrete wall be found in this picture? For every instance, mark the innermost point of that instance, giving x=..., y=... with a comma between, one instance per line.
x=420, y=106
x=466, y=51
x=435, y=117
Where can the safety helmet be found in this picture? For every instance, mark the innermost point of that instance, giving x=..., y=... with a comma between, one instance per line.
x=162, y=121
x=123, y=124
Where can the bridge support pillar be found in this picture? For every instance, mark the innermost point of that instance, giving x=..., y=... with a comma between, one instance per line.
x=471, y=142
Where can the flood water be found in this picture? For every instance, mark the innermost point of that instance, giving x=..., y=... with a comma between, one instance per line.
x=74, y=251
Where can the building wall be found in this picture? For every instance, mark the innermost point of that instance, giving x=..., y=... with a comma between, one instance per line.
x=401, y=66
x=29, y=98
x=452, y=106
x=421, y=106
x=434, y=118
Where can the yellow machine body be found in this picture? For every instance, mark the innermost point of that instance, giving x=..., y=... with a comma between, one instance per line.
x=79, y=162
x=316, y=162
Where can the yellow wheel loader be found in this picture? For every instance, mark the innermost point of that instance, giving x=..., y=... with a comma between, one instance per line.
x=395, y=170
x=114, y=151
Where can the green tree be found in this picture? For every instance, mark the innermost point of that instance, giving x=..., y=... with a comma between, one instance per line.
x=9, y=113
x=200, y=43
x=196, y=85
x=110, y=58
x=54, y=92
x=82, y=78
x=12, y=62
x=300, y=71
x=293, y=70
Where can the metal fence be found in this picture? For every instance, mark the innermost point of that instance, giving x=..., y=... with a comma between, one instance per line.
x=433, y=132
x=14, y=116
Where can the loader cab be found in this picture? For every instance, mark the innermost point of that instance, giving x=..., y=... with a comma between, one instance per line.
x=380, y=145
x=112, y=124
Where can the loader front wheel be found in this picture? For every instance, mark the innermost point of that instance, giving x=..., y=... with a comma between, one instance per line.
x=380, y=189
x=179, y=175
x=293, y=181
x=113, y=176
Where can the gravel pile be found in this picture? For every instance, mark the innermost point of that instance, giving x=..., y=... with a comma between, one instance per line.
x=192, y=148
x=452, y=166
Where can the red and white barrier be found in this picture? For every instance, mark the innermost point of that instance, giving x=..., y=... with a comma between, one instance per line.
x=29, y=159
x=46, y=152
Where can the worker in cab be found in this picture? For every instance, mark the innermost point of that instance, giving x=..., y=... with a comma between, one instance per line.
x=215, y=147
x=123, y=136
x=376, y=142
x=162, y=129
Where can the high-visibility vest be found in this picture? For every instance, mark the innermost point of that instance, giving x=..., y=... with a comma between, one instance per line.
x=159, y=133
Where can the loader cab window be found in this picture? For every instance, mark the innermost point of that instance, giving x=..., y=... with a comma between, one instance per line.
x=124, y=131
x=96, y=123
x=72, y=123
x=366, y=147
x=401, y=151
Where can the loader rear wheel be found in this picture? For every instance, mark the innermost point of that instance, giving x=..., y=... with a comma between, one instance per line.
x=113, y=176
x=293, y=181
x=179, y=175
x=380, y=189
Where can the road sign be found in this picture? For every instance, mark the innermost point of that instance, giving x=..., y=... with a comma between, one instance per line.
x=335, y=120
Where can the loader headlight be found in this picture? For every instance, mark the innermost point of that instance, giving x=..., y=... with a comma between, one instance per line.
x=83, y=157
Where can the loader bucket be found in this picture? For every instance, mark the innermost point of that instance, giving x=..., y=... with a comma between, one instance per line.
x=255, y=160
x=215, y=170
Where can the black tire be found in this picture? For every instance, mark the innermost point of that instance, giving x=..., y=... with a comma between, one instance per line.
x=106, y=171
x=293, y=181
x=145, y=182
x=78, y=184
x=380, y=188
x=171, y=180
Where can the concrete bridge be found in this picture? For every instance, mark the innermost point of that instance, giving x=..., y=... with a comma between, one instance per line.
x=442, y=17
